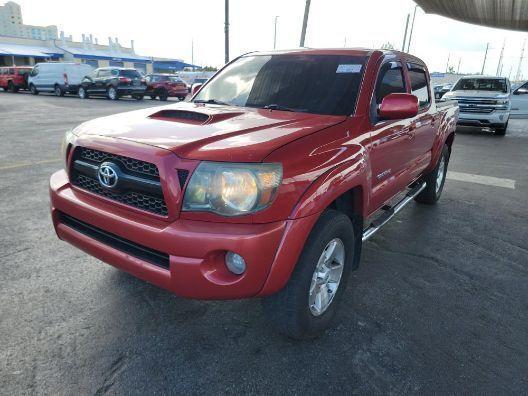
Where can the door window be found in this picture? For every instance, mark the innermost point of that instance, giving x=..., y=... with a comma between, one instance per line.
x=420, y=86
x=390, y=80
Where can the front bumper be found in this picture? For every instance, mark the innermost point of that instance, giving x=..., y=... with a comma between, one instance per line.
x=195, y=249
x=493, y=119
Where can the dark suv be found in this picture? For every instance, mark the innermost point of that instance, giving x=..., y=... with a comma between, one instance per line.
x=165, y=85
x=113, y=82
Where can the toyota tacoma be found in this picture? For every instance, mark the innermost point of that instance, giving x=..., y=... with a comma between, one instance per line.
x=265, y=184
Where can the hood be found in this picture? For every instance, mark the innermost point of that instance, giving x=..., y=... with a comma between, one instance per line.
x=209, y=132
x=476, y=94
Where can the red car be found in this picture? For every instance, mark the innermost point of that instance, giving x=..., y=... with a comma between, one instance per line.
x=265, y=184
x=165, y=85
x=14, y=78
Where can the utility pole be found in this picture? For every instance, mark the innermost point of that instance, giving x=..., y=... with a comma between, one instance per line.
x=192, y=52
x=344, y=45
x=447, y=64
x=226, y=31
x=405, y=34
x=275, y=33
x=518, y=74
x=485, y=56
x=499, y=65
x=305, y=22
x=458, y=68
x=412, y=28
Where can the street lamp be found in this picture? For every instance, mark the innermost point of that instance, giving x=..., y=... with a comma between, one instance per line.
x=275, y=32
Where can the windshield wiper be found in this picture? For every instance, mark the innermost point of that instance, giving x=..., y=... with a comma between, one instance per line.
x=212, y=101
x=283, y=108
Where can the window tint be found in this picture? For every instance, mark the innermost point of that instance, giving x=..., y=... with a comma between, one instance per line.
x=482, y=84
x=390, y=80
x=10, y=71
x=35, y=71
x=104, y=73
x=130, y=73
x=419, y=86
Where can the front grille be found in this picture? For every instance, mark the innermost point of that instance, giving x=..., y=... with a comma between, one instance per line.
x=124, y=245
x=478, y=110
x=141, y=184
x=134, y=165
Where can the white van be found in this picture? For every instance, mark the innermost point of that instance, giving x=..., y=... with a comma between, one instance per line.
x=57, y=77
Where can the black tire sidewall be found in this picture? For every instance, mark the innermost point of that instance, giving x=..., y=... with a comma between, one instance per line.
x=289, y=309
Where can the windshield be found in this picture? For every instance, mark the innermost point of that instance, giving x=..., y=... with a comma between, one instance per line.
x=320, y=84
x=482, y=84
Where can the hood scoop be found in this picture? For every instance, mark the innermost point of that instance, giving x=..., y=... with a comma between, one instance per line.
x=190, y=117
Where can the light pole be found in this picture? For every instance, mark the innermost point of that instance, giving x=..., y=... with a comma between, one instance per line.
x=412, y=27
x=275, y=32
x=305, y=22
x=226, y=31
x=405, y=34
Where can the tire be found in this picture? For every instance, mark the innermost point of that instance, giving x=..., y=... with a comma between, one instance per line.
x=11, y=87
x=182, y=98
x=33, y=89
x=292, y=311
x=138, y=97
x=501, y=131
x=111, y=93
x=82, y=93
x=163, y=95
x=435, y=180
x=58, y=90
x=153, y=97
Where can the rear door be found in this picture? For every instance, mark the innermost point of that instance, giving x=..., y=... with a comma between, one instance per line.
x=390, y=145
x=519, y=100
x=422, y=129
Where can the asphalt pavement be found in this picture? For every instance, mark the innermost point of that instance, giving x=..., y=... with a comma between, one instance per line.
x=439, y=304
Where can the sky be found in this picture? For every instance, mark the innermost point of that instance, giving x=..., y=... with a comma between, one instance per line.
x=167, y=29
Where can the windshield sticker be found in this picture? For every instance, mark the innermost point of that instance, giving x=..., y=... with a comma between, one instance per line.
x=349, y=68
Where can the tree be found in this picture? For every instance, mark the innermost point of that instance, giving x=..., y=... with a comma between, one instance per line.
x=387, y=46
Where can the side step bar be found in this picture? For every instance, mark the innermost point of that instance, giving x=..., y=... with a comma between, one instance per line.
x=390, y=211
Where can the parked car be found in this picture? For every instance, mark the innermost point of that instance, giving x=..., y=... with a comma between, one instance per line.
x=196, y=82
x=266, y=184
x=483, y=102
x=441, y=90
x=14, y=78
x=519, y=100
x=163, y=86
x=57, y=77
x=114, y=83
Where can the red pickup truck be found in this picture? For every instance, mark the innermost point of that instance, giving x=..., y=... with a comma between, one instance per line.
x=265, y=184
x=14, y=78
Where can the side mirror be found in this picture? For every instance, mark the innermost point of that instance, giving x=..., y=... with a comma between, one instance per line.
x=397, y=106
x=196, y=88
x=521, y=91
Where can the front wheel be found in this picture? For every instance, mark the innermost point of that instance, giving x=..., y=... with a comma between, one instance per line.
x=82, y=93
x=435, y=180
x=138, y=97
x=11, y=87
x=58, y=91
x=305, y=307
x=501, y=131
x=111, y=93
x=33, y=89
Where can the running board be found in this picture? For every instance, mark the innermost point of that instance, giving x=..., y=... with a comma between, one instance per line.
x=390, y=211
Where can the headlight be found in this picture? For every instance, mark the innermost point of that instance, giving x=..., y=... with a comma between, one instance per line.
x=65, y=147
x=503, y=101
x=232, y=189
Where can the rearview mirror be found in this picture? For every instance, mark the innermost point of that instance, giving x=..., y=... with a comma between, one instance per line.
x=196, y=88
x=521, y=91
x=397, y=106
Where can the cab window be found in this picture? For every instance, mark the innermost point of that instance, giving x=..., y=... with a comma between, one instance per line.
x=419, y=85
x=390, y=80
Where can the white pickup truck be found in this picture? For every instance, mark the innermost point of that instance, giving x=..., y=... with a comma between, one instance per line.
x=483, y=102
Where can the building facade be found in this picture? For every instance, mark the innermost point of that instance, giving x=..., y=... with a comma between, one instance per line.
x=20, y=45
x=11, y=25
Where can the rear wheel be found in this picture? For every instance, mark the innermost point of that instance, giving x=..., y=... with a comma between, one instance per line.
x=182, y=98
x=138, y=97
x=58, y=90
x=435, y=180
x=33, y=89
x=163, y=95
x=111, y=93
x=152, y=97
x=305, y=307
x=82, y=93
x=11, y=87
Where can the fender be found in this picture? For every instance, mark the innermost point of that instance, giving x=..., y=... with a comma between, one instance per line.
x=445, y=134
x=320, y=195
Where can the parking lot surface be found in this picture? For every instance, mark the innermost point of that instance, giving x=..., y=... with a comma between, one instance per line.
x=439, y=304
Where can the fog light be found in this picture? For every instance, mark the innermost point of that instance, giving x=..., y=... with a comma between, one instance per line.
x=235, y=263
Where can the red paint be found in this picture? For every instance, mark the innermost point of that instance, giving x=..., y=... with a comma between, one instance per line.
x=322, y=158
x=171, y=88
x=15, y=76
x=398, y=106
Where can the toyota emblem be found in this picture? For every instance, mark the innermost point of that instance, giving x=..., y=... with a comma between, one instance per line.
x=107, y=174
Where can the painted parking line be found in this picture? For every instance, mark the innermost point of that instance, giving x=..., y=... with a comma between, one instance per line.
x=24, y=164
x=480, y=179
